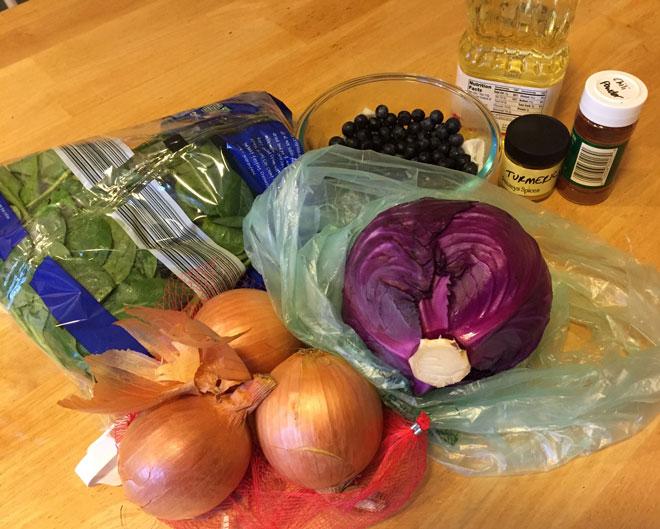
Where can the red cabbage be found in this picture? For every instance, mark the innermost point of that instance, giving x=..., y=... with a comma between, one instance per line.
x=460, y=270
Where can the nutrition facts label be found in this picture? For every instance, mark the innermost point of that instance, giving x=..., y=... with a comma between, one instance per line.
x=508, y=101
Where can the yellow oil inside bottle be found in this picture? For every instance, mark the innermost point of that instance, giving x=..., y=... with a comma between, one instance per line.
x=518, y=42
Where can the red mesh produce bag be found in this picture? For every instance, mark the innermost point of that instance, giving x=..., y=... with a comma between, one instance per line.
x=265, y=500
x=120, y=425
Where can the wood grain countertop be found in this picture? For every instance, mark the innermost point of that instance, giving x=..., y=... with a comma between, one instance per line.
x=74, y=68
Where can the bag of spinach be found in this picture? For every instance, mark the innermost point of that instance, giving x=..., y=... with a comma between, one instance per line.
x=153, y=218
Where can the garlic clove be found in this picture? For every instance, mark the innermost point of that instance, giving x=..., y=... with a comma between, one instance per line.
x=439, y=362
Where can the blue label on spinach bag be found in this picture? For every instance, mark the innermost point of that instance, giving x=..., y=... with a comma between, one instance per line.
x=240, y=108
x=252, y=279
x=78, y=312
x=261, y=151
x=11, y=230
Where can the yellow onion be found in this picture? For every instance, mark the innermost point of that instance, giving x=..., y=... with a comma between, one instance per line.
x=322, y=424
x=264, y=341
x=183, y=458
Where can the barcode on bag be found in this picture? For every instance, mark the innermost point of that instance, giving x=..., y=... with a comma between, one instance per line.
x=90, y=161
x=592, y=165
x=156, y=222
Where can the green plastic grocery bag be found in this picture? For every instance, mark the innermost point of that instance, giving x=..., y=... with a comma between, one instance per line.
x=593, y=380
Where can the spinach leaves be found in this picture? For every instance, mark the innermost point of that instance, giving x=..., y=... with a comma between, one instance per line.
x=89, y=238
x=212, y=194
x=74, y=226
x=77, y=222
x=122, y=256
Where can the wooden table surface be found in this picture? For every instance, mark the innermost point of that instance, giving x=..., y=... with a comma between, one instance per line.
x=69, y=69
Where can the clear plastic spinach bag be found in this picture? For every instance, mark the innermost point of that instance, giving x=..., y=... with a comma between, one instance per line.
x=593, y=380
x=149, y=216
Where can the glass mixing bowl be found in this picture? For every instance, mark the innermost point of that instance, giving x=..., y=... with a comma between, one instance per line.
x=324, y=117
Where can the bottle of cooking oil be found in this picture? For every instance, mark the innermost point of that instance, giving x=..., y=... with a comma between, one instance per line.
x=514, y=55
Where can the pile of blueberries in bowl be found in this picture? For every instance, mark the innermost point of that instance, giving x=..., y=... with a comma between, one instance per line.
x=410, y=135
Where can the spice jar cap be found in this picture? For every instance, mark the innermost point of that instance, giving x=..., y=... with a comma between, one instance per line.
x=536, y=141
x=612, y=98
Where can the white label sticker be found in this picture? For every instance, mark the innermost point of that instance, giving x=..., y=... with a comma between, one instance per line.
x=593, y=165
x=155, y=222
x=91, y=161
x=508, y=101
x=617, y=88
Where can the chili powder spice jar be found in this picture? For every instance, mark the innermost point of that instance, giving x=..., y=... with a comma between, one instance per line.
x=609, y=109
x=534, y=148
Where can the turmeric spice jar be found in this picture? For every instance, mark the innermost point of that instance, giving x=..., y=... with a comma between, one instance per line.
x=609, y=109
x=534, y=148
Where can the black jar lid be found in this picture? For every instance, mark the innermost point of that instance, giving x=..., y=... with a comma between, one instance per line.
x=536, y=141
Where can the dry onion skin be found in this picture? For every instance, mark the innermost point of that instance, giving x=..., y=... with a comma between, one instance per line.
x=183, y=458
x=264, y=341
x=191, y=447
x=322, y=424
x=189, y=359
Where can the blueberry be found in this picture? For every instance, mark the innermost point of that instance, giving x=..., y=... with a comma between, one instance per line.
x=348, y=129
x=449, y=163
x=391, y=119
x=444, y=148
x=424, y=157
x=366, y=145
x=471, y=168
x=441, y=131
x=414, y=128
x=436, y=117
x=362, y=135
x=456, y=140
x=361, y=121
x=455, y=151
x=398, y=132
x=374, y=124
x=384, y=132
x=435, y=141
x=462, y=159
x=389, y=148
x=336, y=140
x=410, y=151
x=453, y=125
x=400, y=146
x=351, y=142
x=426, y=124
x=410, y=140
x=377, y=142
x=382, y=111
x=417, y=115
x=404, y=117
x=436, y=156
x=424, y=144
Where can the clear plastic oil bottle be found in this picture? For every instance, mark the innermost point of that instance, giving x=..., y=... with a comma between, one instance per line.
x=514, y=55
